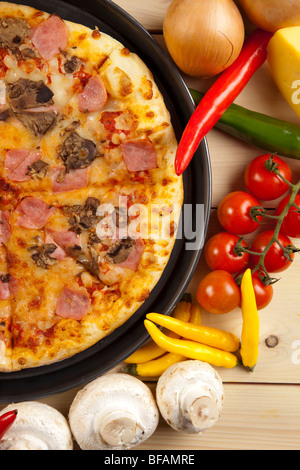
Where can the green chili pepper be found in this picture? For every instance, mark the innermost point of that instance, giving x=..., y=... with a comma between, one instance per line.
x=268, y=133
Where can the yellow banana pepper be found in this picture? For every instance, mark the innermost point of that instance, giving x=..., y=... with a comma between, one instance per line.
x=250, y=329
x=150, y=350
x=191, y=349
x=202, y=334
x=145, y=353
x=195, y=314
x=183, y=309
x=156, y=367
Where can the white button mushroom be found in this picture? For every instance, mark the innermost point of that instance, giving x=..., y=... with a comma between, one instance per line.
x=190, y=396
x=37, y=427
x=115, y=411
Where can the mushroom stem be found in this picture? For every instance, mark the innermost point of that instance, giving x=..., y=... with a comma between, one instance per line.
x=199, y=405
x=204, y=412
x=117, y=429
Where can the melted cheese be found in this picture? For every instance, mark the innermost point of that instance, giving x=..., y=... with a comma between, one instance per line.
x=5, y=359
x=2, y=93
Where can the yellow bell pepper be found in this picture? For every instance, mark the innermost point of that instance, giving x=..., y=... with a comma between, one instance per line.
x=202, y=334
x=250, y=330
x=191, y=349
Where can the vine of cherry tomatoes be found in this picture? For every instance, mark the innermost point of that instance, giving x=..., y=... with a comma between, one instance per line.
x=239, y=215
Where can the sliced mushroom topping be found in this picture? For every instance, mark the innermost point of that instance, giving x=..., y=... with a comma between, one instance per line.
x=71, y=210
x=83, y=217
x=119, y=251
x=93, y=239
x=38, y=169
x=5, y=278
x=88, y=215
x=6, y=114
x=77, y=152
x=39, y=123
x=87, y=258
x=72, y=127
x=29, y=100
x=27, y=94
x=13, y=31
x=28, y=53
x=72, y=64
x=41, y=255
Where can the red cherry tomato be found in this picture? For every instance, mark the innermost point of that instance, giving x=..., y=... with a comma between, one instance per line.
x=234, y=213
x=218, y=292
x=263, y=293
x=219, y=254
x=265, y=184
x=275, y=261
x=291, y=223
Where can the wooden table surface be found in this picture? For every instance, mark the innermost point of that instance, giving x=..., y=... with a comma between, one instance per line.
x=262, y=409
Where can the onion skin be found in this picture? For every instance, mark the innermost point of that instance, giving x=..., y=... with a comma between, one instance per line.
x=272, y=15
x=203, y=37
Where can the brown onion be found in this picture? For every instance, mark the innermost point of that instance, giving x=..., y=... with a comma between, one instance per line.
x=272, y=15
x=203, y=37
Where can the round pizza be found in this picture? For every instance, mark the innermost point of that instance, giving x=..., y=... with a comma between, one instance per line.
x=89, y=199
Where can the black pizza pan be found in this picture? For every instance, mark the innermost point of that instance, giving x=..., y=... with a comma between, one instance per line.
x=56, y=378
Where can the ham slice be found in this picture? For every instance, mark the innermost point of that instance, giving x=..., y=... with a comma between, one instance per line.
x=50, y=37
x=63, y=239
x=4, y=289
x=134, y=257
x=34, y=212
x=8, y=286
x=17, y=162
x=59, y=253
x=75, y=179
x=4, y=227
x=66, y=238
x=73, y=303
x=94, y=95
x=139, y=155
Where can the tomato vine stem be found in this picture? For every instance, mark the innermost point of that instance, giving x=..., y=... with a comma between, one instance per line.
x=259, y=211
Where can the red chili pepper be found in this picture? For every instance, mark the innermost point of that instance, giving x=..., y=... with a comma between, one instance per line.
x=221, y=95
x=6, y=420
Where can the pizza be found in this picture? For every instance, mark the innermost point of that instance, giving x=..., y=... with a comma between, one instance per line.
x=89, y=199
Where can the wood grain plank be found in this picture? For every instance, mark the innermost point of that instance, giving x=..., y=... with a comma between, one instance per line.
x=149, y=14
x=254, y=417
